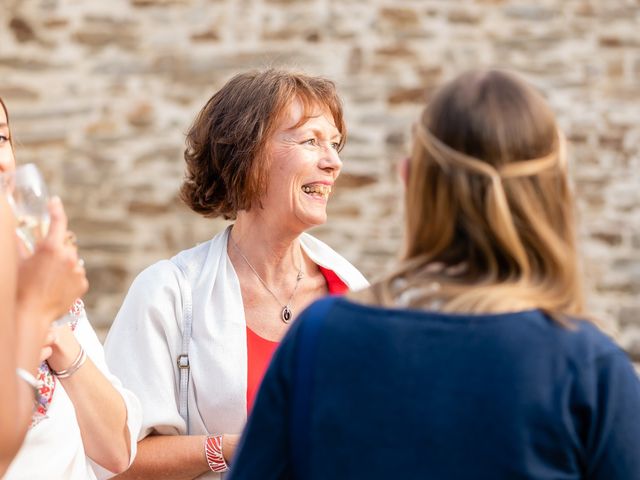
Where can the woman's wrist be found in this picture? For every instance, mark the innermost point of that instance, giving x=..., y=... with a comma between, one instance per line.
x=224, y=444
x=30, y=310
x=65, y=352
x=30, y=336
x=65, y=348
x=213, y=453
x=73, y=367
x=30, y=380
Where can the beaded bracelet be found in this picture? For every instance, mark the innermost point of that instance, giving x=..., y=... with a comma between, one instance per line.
x=73, y=368
x=213, y=453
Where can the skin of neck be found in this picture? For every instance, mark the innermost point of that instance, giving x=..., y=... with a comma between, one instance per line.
x=272, y=249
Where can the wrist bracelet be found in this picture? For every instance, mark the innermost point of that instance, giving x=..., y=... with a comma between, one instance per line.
x=213, y=453
x=31, y=380
x=73, y=368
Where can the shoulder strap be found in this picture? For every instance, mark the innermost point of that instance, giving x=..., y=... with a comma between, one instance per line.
x=302, y=388
x=183, y=359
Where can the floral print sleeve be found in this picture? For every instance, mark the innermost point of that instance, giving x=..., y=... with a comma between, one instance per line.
x=46, y=380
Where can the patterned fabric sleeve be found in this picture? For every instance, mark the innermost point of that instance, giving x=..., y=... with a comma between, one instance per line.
x=46, y=380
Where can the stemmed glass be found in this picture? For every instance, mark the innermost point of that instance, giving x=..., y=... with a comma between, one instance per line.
x=28, y=196
x=26, y=192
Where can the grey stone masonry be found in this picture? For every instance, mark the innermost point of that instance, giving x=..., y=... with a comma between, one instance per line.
x=102, y=92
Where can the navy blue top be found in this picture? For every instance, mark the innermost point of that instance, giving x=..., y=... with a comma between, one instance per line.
x=407, y=394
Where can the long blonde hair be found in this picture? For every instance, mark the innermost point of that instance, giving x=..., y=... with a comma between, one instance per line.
x=489, y=212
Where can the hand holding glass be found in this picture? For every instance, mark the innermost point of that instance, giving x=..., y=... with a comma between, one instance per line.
x=27, y=194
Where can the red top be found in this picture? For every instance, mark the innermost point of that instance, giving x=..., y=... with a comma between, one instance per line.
x=260, y=350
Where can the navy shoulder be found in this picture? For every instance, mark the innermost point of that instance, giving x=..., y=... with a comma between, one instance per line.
x=587, y=342
x=320, y=307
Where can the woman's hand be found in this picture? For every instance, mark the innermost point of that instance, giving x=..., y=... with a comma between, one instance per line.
x=229, y=445
x=46, y=350
x=62, y=348
x=51, y=279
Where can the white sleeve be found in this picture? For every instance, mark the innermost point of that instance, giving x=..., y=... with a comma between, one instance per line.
x=143, y=343
x=88, y=339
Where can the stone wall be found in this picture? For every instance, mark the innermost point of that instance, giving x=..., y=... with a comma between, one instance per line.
x=101, y=93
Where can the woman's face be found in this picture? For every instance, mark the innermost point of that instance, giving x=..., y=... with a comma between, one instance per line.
x=7, y=162
x=304, y=166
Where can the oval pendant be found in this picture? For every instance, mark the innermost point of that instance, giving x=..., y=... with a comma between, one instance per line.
x=286, y=314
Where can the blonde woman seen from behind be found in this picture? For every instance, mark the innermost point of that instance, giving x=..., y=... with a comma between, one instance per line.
x=472, y=359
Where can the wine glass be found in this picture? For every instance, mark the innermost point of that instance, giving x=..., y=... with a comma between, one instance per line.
x=26, y=192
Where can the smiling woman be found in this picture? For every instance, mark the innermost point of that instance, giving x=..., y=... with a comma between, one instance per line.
x=264, y=152
x=305, y=163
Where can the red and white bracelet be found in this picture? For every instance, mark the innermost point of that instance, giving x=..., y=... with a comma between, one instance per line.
x=213, y=453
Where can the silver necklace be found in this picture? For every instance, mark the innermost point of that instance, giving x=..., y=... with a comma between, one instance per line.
x=286, y=313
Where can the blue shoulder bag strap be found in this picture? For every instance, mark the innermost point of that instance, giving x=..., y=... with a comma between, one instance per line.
x=302, y=391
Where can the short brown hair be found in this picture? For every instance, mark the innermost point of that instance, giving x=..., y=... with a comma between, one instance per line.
x=225, y=147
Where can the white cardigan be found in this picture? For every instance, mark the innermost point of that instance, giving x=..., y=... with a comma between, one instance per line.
x=146, y=337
